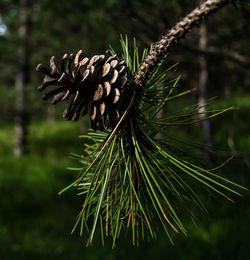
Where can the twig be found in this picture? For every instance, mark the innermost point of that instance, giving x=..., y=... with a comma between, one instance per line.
x=224, y=163
x=160, y=48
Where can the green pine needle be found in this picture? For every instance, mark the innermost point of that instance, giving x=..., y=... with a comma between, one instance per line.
x=131, y=180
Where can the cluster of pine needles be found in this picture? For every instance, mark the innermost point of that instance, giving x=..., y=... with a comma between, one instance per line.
x=135, y=178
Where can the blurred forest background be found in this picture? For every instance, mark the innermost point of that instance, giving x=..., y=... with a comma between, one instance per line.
x=35, y=142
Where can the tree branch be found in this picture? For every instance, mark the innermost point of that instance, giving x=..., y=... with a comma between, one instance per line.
x=160, y=48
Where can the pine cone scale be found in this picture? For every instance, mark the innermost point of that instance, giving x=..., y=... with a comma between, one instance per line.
x=114, y=77
x=107, y=87
x=106, y=69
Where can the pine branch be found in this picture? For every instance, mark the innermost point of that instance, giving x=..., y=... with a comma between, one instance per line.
x=160, y=48
x=130, y=180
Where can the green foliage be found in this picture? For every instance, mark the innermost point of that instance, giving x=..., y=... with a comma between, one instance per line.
x=133, y=180
x=29, y=214
x=35, y=223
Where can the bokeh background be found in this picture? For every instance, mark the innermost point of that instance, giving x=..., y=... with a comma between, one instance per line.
x=35, y=142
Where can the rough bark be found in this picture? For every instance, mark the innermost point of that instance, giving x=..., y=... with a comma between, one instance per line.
x=160, y=48
x=22, y=79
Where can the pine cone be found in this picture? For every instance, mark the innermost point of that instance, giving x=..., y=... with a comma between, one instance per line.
x=96, y=84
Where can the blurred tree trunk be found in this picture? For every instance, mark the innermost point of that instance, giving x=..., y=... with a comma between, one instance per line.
x=22, y=78
x=206, y=123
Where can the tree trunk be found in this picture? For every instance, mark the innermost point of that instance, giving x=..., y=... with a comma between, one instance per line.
x=22, y=78
x=206, y=123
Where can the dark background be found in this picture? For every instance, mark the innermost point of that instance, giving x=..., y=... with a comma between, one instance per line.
x=35, y=223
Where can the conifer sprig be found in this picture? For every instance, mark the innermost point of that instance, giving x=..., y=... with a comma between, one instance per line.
x=131, y=180
x=139, y=183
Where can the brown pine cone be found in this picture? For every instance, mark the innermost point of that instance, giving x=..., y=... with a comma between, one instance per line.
x=95, y=84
